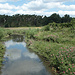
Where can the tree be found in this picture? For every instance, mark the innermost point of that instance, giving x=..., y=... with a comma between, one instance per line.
x=66, y=18
x=55, y=18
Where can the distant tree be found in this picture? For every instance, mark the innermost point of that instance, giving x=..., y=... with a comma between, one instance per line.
x=66, y=18
x=45, y=20
x=18, y=20
x=55, y=18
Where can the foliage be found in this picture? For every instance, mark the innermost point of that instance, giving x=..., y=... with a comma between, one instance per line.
x=1, y=33
x=57, y=46
x=31, y=32
x=46, y=28
x=55, y=18
x=18, y=20
x=2, y=50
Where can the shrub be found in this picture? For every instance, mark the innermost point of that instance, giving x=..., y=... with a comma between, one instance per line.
x=1, y=33
x=46, y=28
x=30, y=33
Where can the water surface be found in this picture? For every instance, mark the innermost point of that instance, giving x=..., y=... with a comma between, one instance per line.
x=20, y=61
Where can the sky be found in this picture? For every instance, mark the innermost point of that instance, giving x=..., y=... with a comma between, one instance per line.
x=37, y=7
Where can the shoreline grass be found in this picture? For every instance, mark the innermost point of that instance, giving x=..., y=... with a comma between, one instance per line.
x=2, y=52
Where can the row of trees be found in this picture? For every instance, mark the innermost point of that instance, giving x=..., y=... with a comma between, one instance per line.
x=31, y=20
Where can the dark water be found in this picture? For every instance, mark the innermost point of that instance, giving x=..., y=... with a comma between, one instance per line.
x=20, y=61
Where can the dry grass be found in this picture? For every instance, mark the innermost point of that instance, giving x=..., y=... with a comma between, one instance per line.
x=18, y=28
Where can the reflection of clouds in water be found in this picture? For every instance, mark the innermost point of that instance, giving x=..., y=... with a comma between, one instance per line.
x=11, y=43
x=13, y=54
x=26, y=67
x=30, y=55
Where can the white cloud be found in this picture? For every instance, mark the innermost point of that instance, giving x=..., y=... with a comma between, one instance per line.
x=71, y=13
x=7, y=12
x=8, y=0
x=67, y=7
x=38, y=7
x=47, y=1
x=56, y=0
x=6, y=6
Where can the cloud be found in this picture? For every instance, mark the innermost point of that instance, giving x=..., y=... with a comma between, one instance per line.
x=67, y=7
x=71, y=13
x=38, y=7
x=34, y=5
x=8, y=0
x=7, y=12
x=7, y=6
x=56, y=0
x=47, y=1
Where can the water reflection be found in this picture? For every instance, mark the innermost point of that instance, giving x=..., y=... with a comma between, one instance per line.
x=25, y=67
x=19, y=61
x=30, y=55
x=12, y=43
x=13, y=54
x=17, y=38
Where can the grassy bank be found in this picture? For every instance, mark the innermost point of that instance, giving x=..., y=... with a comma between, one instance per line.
x=3, y=33
x=2, y=51
x=56, y=45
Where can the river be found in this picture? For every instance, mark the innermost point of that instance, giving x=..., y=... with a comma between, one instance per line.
x=18, y=60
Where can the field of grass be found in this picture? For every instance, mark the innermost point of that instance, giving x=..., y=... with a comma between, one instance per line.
x=56, y=45
x=24, y=28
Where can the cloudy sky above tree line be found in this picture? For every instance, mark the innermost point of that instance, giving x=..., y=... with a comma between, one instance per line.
x=38, y=7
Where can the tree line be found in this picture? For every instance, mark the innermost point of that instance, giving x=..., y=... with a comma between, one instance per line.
x=18, y=20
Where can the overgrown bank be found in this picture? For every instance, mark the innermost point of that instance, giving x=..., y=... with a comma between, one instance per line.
x=2, y=51
x=56, y=44
x=3, y=33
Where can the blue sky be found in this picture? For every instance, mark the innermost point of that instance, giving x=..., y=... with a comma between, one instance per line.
x=38, y=7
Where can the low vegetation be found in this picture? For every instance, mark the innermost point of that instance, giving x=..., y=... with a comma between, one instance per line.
x=2, y=51
x=3, y=34
x=1, y=46
x=56, y=44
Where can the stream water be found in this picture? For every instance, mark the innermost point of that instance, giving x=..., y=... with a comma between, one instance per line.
x=18, y=60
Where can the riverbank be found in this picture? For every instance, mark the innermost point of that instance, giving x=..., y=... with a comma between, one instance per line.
x=56, y=46
x=3, y=34
x=2, y=52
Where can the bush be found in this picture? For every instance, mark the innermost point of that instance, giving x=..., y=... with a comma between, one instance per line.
x=1, y=33
x=30, y=33
x=46, y=28
x=9, y=32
